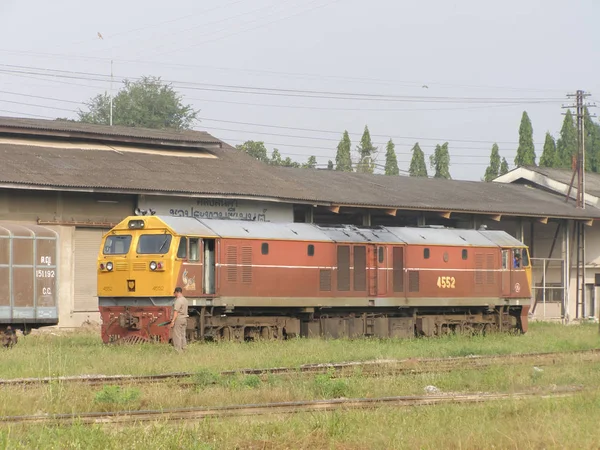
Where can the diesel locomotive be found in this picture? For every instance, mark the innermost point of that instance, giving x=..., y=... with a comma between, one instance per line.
x=260, y=280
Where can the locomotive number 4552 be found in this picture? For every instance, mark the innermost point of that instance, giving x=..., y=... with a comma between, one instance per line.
x=446, y=282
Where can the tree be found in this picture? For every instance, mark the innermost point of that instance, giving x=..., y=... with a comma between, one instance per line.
x=311, y=163
x=287, y=162
x=440, y=161
x=503, y=167
x=526, y=150
x=343, y=158
x=144, y=103
x=276, y=158
x=330, y=165
x=566, y=146
x=418, y=168
x=549, y=156
x=366, y=151
x=391, y=161
x=592, y=143
x=493, y=170
x=257, y=150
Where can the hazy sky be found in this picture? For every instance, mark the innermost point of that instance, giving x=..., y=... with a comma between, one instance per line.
x=483, y=63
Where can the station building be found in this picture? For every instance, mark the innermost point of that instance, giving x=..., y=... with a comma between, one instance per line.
x=72, y=182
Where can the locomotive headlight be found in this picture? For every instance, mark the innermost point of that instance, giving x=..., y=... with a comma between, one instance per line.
x=153, y=265
x=109, y=266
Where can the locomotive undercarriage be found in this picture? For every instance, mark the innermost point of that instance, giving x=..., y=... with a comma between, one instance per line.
x=243, y=324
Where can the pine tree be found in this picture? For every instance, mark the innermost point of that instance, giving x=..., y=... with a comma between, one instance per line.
x=440, y=161
x=592, y=143
x=391, y=161
x=330, y=165
x=343, y=159
x=549, y=156
x=503, y=167
x=418, y=168
x=566, y=146
x=366, y=151
x=526, y=151
x=311, y=163
x=493, y=170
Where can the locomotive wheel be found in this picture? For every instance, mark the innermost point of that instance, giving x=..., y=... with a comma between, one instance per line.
x=266, y=333
x=226, y=334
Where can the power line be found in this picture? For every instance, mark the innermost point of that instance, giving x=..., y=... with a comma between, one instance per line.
x=280, y=73
x=242, y=89
x=313, y=130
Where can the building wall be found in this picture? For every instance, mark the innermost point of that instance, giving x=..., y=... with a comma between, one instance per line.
x=213, y=208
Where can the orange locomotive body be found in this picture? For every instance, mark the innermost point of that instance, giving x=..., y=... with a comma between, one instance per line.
x=248, y=280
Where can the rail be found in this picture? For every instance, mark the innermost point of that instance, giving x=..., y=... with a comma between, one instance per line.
x=395, y=366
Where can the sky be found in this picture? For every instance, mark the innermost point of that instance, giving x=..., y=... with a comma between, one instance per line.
x=296, y=74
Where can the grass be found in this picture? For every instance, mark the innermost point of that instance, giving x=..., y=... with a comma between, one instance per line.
x=566, y=423
x=531, y=423
x=47, y=355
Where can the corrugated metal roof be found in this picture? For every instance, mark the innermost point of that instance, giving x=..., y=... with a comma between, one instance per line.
x=233, y=173
x=500, y=238
x=242, y=229
x=265, y=230
x=440, y=236
x=188, y=226
x=50, y=127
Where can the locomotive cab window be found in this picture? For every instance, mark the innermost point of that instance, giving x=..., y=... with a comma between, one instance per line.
x=426, y=253
x=182, y=250
x=194, y=249
x=117, y=244
x=264, y=248
x=505, y=259
x=525, y=258
x=154, y=244
x=465, y=254
x=311, y=250
x=380, y=254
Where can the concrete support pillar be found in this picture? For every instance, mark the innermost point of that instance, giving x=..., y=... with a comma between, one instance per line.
x=566, y=250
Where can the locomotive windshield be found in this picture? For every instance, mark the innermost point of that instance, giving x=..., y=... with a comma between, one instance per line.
x=117, y=244
x=154, y=244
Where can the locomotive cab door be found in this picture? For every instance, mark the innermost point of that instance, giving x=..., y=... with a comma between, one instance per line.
x=506, y=272
x=209, y=266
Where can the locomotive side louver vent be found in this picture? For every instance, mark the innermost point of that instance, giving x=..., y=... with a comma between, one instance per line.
x=490, y=276
x=398, y=261
x=413, y=281
x=232, y=263
x=360, y=268
x=479, y=268
x=343, y=263
x=246, y=264
x=325, y=280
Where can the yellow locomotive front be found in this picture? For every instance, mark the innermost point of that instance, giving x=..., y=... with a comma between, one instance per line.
x=137, y=271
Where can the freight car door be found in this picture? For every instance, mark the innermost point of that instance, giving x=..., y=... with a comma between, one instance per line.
x=506, y=272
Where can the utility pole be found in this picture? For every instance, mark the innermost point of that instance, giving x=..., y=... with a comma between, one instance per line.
x=579, y=171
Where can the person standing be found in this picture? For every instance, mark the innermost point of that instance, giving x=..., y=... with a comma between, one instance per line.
x=179, y=321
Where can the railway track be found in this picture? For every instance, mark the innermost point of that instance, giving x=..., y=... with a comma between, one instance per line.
x=403, y=366
x=180, y=414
